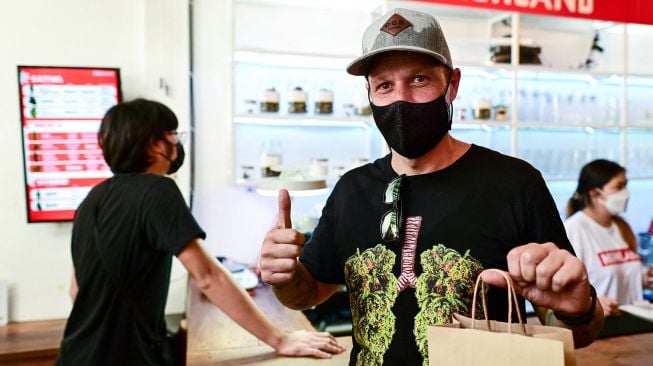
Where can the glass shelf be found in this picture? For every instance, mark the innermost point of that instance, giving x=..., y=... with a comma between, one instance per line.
x=640, y=93
x=313, y=60
x=280, y=58
x=560, y=153
x=570, y=74
x=304, y=120
x=496, y=137
x=589, y=128
x=485, y=123
x=340, y=144
x=639, y=154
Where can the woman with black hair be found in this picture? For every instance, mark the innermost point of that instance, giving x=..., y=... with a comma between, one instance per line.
x=602, y=239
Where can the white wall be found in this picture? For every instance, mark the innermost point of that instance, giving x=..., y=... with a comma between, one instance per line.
x=167, y=63
x=224, y=211
x=35, y=258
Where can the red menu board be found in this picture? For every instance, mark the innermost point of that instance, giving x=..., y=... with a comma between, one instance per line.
x=61, y=109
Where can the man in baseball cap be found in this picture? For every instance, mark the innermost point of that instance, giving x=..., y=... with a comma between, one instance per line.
x=409, y=233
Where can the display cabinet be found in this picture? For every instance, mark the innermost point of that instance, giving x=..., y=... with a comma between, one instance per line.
x=581, y=93
x=338, y=136
x=293, y=103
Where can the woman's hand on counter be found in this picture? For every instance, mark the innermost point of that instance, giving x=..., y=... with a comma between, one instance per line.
x=647, y=277
x=304, y=343
x=610, y=306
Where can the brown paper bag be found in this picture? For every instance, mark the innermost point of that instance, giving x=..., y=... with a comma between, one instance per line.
x=472, y=342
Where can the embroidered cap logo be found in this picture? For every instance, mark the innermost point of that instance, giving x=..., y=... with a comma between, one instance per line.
x=395, y=25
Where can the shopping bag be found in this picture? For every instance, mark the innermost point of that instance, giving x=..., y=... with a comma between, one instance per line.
x=472, y=342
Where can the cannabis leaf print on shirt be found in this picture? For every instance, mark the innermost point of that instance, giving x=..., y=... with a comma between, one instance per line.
x=446, y=286
x=373, y=290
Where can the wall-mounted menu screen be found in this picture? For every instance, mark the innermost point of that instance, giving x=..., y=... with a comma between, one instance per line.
x=61, y=109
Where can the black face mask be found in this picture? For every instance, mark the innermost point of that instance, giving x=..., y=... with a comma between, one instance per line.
x=177, y=163
x=413, y=129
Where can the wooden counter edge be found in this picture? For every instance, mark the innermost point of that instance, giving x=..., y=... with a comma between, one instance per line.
x=31, y=339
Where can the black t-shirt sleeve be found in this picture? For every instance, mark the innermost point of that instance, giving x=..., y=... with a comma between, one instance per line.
x=169, y=224
x=320, y=255
x=543, y=222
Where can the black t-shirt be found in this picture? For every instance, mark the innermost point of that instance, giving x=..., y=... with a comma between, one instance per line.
x=458, y=221
x=142, y=220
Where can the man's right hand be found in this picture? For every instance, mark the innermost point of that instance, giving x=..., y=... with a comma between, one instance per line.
x=281, y=247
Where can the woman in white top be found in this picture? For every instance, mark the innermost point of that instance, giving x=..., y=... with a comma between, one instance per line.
x=602, y=239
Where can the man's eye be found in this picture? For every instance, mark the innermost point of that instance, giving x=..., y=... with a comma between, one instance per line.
x=383, y=86
x=420, y=78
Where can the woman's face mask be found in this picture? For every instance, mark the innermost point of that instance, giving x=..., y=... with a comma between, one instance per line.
x=615, y=202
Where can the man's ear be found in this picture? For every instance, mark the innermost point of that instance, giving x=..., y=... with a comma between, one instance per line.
x=454, y=83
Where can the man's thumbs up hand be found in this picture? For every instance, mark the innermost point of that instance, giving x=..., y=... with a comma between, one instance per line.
x=283, y=217
x=281, y=247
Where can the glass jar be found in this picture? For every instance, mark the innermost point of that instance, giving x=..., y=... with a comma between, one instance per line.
x=338, y=171
x=324, y=102
x=297, y=101
x=362, y=104
x=482, y=108
x=269, y=158
x=319, y=168
x=501, y=112
x=270, y=101
x=460, y=114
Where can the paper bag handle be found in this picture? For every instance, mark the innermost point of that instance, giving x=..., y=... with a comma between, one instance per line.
x=512, y=298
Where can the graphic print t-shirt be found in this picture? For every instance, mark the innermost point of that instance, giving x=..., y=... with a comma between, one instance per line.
x=458, y=221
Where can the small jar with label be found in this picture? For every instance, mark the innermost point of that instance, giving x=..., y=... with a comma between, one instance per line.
x=482, y=108
x=338, y=171
x=364, y=110
x=501, y=112
x=270, y=158
x=324, y=101
x=319, y=168
x=297, y=101
x=362, y=105
x=460, y=114
x=270, y=101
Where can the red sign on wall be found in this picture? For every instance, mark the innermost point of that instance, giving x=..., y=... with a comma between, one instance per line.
x=61, y=110
x=626, y=11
